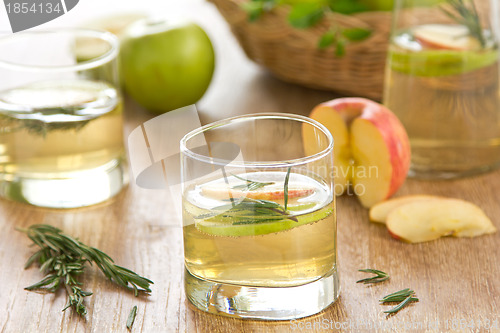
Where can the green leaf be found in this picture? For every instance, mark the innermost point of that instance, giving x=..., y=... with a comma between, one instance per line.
x=346, y=6
x=326, y=40
x=254, y=10
x=356, y=34
x=340, y=48
x=305, y=15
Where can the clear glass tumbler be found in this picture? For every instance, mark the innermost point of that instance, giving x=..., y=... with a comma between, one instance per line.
x=61, y=124
x=259, y=219
x=442, y=81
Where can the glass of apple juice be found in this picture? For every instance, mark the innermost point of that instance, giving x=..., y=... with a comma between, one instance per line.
x=259, y=219
x=61, y=141
x=442, y=81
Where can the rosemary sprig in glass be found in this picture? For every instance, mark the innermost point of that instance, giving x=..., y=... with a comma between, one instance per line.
x=285, y=186
x=39, y=127
x=62, y=259
x=250, y=185
x=379, y=276
x=467, y=16
x=252, y=211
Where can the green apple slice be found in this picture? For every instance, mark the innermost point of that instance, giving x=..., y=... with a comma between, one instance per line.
x=225, y=225
x=431, y=63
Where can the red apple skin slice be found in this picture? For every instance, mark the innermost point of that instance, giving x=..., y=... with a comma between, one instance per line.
x=380, y=211
x=223, y=192
x=424, y=221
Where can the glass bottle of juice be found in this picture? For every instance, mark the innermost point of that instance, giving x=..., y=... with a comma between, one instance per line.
x=442, y=82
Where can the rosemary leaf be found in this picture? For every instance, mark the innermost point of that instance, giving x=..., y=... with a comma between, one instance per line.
x=250, y=184
x=379, y=276
x=131, y=317
x=285, y=189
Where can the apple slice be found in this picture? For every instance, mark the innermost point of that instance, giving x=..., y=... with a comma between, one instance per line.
x=380, y=211
x=423, y=221
x=222, y=225
x=270, y=192
x=372, y=150
x=446, y=36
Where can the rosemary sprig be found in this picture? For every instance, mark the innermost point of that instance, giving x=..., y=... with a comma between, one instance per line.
x=405, y=297
x=62, y=258
x=251, y=185
x=468, y=17
x=38, y=127
x=131, y=317
x=401, y=305
x=285, y=186
x=379, y=276
x=250, y=211
x=397, y=296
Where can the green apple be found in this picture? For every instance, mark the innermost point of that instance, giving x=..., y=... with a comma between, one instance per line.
x=166, y=66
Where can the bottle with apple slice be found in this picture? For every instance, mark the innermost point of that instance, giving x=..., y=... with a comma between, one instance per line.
x=442, y=83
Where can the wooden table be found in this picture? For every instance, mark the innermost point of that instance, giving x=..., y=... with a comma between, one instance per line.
x=457, y=280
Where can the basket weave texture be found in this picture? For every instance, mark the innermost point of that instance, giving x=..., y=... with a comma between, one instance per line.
x=293, y=55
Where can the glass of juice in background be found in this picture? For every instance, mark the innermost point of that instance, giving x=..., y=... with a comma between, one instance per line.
x=61, y=139
x=260, y=231
x=442, y=82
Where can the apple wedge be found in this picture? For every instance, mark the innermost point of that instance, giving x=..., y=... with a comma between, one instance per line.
x=380, y=211
x=271, y=192
x=446, y=37
x=371, y=147
x=427, y=220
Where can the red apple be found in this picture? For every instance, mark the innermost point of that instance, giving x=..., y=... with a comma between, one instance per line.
x=446, y=37
x=371, y=147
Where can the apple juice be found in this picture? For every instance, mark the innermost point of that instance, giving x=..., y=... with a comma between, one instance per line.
x=55, y=130
x=447, y=99
x=246, y=244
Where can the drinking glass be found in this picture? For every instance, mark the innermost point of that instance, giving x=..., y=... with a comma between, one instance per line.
x=442, y=82
x=259, y=219
x=61, y=140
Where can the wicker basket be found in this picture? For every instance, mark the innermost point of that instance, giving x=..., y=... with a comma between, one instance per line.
x=292, y=54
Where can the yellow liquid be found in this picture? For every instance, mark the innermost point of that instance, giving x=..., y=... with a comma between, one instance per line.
x=58, y=130
x=449, y=103
x=291, y=257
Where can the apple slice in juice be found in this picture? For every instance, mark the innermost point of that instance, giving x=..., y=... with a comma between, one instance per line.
x=439, y=50
x=233, y=210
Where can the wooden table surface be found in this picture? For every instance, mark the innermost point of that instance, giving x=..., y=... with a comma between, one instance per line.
x=457, y=280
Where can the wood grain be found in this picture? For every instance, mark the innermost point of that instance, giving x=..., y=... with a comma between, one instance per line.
x=455, y=279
